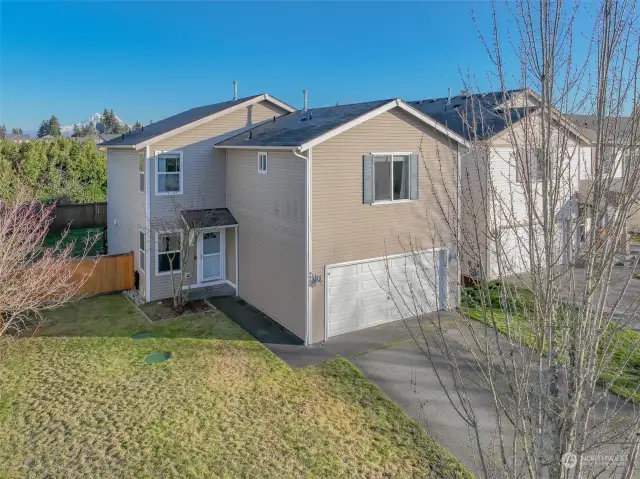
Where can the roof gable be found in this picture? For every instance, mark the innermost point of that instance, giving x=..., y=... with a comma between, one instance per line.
x=185, y=120
x=303, y=130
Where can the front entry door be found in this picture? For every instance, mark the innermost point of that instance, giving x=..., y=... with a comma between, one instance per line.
x=211, y=255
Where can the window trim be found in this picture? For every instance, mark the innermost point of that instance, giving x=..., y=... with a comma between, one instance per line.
x=140, y=266
x=158, y=253
x=390, y=201
x=181, y=172
x=266, y=162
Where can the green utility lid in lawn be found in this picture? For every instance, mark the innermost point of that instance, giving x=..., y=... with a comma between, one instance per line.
x=157, y=357
x=141, y=336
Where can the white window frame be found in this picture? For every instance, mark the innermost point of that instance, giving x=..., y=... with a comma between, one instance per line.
x=140, y=265
x=158, y=253
x=141, y=171
x=261, y=154
x=181, y=172
x=391, y=201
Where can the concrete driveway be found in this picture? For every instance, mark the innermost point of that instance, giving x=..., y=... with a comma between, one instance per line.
x=391, y=358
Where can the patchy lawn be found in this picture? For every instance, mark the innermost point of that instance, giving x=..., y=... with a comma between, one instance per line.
x=79, y=237
x=163, y=310
x=77, y=400
x=627, y=341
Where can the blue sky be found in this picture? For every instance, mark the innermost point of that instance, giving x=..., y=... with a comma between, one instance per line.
x=150, y=60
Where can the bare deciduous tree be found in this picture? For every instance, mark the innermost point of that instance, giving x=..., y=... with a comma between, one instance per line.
x=34, y=278
x=544, y=331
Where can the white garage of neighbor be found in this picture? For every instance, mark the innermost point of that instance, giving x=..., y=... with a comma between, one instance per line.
x=366, y=293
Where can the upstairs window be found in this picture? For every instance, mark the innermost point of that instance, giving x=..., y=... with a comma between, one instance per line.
x=532, y=157
x=169, y=169
x=262, y=163
x=141, y=161
x=389, y=177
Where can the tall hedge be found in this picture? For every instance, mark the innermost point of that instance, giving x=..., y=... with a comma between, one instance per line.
x=61, y=170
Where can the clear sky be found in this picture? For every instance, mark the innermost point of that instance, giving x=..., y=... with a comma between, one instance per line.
x=148, y=60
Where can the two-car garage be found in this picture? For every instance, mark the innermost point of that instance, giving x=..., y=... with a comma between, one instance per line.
x=366, y=293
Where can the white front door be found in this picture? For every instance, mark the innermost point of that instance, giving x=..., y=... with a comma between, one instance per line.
x=211, y=247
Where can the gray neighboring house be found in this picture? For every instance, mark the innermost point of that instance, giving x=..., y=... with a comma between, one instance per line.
x=18, y=138
x=619, y=127
x=314, y=211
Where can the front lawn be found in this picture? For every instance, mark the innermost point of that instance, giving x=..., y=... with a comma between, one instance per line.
x=626, y=384
x=77, y=400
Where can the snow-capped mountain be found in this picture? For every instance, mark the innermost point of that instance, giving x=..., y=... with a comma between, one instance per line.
x=96, y=118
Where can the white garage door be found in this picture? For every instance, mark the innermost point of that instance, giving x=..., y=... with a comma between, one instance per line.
x=371, y=292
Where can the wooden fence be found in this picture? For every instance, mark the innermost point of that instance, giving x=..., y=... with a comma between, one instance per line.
x=111, y=273
x=82, y=215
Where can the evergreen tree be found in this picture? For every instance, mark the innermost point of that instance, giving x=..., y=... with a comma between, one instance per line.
x=3, y=132
x=90, y=129
x=54, y=126
x=16, y=131
x=137, y=125
x=44, y=129
x=77, y=131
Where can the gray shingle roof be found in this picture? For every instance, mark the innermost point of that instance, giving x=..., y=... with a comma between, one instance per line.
x=208, y=218
x=297, y=128
x=173, y=122
x=459, y=114
x=587, y=124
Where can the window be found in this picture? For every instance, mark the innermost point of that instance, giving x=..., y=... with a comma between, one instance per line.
x=531, y=157
x=390, y=177
x=141, y=161
x=141, y=251
x=169, y=251
x=169, y=173
x=262, y=163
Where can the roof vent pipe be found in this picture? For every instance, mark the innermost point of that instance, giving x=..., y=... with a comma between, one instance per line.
x=449, y=98
x=304, y=94
x=235, y=90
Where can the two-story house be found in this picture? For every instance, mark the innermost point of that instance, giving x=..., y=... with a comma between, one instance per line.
x=496, y=232
x=324, y=219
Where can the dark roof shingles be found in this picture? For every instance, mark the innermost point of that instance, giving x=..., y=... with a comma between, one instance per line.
x=464, y=112
x=298, y=127
x=176, y=121
x=208, y=218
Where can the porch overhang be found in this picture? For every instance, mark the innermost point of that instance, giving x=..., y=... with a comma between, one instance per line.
x=208, y=218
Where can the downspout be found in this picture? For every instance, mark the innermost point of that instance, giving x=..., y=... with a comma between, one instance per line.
x=308, y=244
x=147, y=193
x=459, y=219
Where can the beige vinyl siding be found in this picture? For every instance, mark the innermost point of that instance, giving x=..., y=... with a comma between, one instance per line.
x=204, y=170
x=345, y=229
x=270, y=210
x=125, y=204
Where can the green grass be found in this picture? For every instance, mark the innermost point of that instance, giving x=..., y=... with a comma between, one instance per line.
x=78, y=236
x=78, y=401
x=625, y=340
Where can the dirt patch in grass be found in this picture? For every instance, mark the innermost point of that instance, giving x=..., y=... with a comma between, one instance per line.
x=158, y=311
x=80, y=402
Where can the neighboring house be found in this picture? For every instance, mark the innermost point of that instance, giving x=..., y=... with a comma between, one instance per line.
x=616, y=159
x=18, y=138
x=97, y=138
x=495, y=229
x=314, y=210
